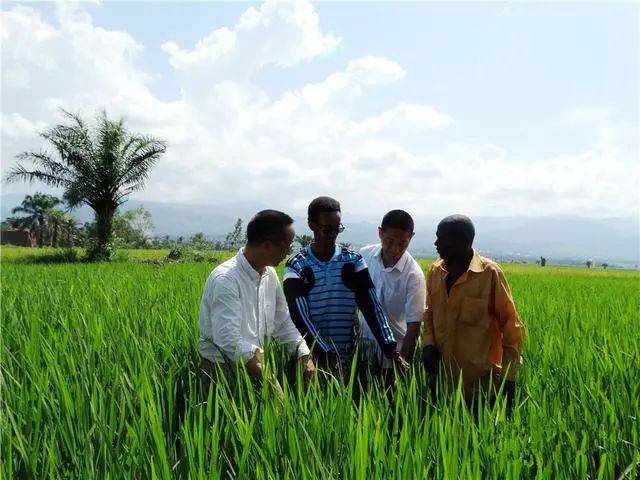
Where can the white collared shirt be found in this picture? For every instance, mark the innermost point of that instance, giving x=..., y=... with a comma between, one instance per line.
x=401, y=290
x=241, y=310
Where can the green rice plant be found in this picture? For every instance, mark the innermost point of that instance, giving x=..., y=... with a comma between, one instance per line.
x=99, y=380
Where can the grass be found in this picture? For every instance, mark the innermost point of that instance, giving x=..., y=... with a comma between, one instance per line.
x=58, y=255
x=98, y=382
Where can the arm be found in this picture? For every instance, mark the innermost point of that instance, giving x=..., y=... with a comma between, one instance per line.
x=414, y=309
x=513, y=331
x=296, y=287
x=356, y=277
x=284, y=329
x=225, y=321
x=430, y=354
x=410, y=339
x=428, y=336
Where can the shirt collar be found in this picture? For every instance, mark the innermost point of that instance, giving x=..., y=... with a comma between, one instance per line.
x=400, y=264
x=476, y=264
x=246, y=267
x=335, y=255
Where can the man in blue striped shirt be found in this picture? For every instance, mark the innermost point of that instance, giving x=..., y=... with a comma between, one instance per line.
x=324, y=283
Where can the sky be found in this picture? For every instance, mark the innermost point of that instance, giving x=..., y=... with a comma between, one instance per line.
x=492, y=109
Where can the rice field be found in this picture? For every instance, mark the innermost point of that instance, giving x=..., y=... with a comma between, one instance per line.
x=98, y=381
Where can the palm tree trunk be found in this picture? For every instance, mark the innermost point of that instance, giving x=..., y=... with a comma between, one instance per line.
x=40, y=237
x=54, y=235
x=104, y=227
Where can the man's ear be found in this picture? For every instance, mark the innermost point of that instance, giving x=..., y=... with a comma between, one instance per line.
x=266, y=246
x=380, y=233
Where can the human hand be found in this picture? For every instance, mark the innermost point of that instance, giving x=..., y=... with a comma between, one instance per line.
x=399, y=363
x=254, y=369
x=309, y=371
x=509, y=393
x=430, y=358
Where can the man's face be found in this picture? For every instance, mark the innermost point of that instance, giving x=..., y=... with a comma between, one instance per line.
x=279, y=250
x=395, y=242
x=449, y=244
x=326, y=227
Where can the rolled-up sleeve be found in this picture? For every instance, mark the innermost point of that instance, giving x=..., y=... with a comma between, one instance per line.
x=285, y=331
x=226, y=318
x=513, y=330
x=416, y=296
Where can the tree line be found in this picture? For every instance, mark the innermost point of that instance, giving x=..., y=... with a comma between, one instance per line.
x=48, y=220
x=97, y=164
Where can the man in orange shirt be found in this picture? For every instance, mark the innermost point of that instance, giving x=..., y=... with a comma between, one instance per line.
x=471, y=325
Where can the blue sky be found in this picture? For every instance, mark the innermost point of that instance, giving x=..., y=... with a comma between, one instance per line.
x=486, y=108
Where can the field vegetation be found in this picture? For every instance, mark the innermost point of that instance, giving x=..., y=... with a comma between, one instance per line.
x=98, y=381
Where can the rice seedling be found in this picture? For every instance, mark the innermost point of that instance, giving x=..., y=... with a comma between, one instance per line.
x=99, y=381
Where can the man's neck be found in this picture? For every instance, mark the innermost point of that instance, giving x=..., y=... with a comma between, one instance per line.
x=321, y=253
x=253, y=257
x=459, y=265
x=387, y=262
x=456, y=267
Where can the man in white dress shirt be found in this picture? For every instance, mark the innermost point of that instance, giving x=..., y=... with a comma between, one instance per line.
x=243, y=306
x=400, y=285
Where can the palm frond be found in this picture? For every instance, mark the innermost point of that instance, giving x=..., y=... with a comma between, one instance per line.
x=74, y=148
x=78, y=124
x=122, y=195
x=20, y=173
x=78, y=193
x=111, y=135
x=20, y=209
x=47, y=163
x=139, y=161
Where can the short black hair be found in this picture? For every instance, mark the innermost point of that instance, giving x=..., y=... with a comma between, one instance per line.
x=267, y=225
x=460, y=226
x=322, y=205
x=398, y=219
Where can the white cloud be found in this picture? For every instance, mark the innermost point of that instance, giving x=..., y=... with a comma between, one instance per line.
x=278, y=33
x=611, y=136
x=583, y=183
x=228, y=140
x=25, y=37
x=16, y=127
x=406, y=118
x=16, y=77
x=372, y=70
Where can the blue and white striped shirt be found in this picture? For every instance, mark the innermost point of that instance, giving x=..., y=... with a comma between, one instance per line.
x=328, y=309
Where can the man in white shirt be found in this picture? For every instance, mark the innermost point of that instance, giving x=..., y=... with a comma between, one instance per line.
x=243, y=306
x=400, y=285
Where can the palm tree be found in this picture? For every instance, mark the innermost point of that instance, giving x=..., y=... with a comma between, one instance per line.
x=36, y=208
x=304, y=240
x=97, y=166
x=72, y=230
x=13, y=223
x=61, y=228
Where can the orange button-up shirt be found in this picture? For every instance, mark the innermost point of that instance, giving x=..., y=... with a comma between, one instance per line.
x=475, y=326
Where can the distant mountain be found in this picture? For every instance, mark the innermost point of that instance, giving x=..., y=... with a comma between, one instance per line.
x=559, y=239
x=568, y=239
